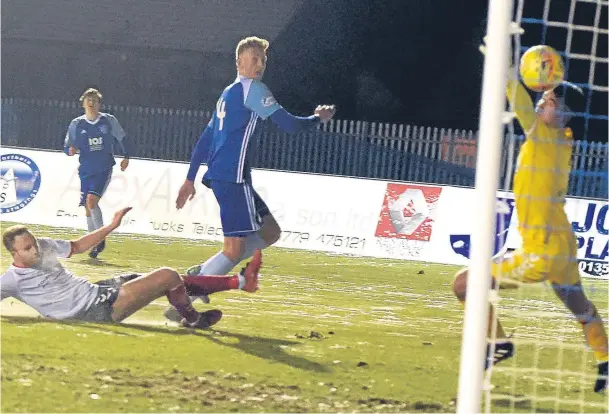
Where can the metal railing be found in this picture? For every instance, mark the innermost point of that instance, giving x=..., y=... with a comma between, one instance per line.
x=349, y=148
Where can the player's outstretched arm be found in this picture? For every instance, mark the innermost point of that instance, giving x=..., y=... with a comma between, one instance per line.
x=87, y=241
x=261, y=101
x=522, y=104
x=292, y=124
x=518, y=96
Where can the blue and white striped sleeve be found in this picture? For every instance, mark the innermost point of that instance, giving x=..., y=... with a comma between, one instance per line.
x=260, y=100
x=200, y=153
x=118, y=132
x=70, y=140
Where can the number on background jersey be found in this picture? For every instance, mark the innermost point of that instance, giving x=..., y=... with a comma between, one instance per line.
x=220, y=112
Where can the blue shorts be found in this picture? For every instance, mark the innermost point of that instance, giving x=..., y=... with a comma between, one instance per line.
x=94, y=184
x=241, y=208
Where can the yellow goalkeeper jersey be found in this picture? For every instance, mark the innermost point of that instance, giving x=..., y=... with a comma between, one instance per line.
x=542, y=176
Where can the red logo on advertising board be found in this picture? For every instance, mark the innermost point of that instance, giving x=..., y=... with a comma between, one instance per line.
x=408, y=212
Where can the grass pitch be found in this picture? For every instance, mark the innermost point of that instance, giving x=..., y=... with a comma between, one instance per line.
x=325, y=333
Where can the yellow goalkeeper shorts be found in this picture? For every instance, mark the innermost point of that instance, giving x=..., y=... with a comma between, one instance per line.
x=555, y=263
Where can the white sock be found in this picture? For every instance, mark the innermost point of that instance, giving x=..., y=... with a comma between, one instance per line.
x=90, y=224
x=217, y=265
x=97, y=217
x=252, y=242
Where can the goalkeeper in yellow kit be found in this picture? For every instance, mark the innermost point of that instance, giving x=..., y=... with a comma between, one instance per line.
x=549, y=247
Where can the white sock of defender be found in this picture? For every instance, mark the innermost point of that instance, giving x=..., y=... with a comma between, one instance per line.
x=241, y=281
x=98, y=219
x=217, y=265
x=90, y=224
x=253, y=242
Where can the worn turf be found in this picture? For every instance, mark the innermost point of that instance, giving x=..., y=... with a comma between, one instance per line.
x=324, y=333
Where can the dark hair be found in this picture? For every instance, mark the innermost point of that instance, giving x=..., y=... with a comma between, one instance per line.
x=90, y=92
x=8, y=237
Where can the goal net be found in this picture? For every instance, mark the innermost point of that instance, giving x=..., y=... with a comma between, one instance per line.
x=553, y=367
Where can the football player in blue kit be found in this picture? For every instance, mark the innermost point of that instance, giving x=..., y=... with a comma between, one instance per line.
x=228, y=146
x=92, y=135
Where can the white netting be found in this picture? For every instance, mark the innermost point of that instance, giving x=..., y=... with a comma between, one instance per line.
x=553, y=370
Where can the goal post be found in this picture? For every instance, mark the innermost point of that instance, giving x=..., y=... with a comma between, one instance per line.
x=491, y=127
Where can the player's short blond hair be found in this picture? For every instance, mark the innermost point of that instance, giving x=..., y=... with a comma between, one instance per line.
x=9, y=235
x=251, y=42
x=90, y=92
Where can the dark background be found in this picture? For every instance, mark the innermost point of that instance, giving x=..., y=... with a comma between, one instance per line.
x=407, y=61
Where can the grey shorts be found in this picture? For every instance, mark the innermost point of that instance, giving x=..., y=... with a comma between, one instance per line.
x=100, y=310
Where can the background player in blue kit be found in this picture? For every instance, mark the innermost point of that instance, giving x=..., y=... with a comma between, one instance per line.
x=93, y=135
x=227, y=145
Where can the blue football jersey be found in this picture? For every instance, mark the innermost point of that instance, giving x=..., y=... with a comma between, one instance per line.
x=233, y=125
x=95, y=142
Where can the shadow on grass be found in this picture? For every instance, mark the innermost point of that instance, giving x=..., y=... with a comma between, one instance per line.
x=261, y=347
x=520, y=402
x=33, y=320
x=267, y=348
x=101, y=263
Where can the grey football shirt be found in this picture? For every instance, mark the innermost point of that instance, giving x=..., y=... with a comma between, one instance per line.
x=48, y=287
